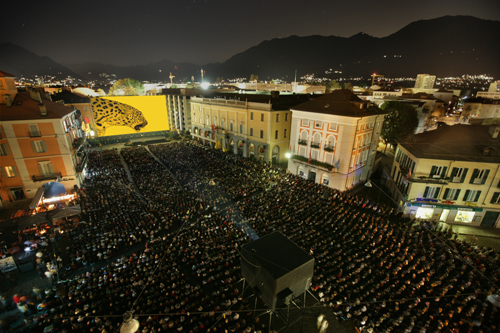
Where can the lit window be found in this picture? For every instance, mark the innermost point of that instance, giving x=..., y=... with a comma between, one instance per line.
x=8, y=172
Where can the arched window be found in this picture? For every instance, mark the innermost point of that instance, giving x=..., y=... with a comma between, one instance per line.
x=317, y=139
x=303, y=136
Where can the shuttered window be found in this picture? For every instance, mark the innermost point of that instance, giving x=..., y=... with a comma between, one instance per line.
x=39, y=146
x=9, y=172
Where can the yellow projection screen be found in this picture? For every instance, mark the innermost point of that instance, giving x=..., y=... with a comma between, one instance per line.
x=118, y=115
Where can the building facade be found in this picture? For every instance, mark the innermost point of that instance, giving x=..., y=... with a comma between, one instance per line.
x=253, y=126
x=334, y=139
x=450, y=174
x=481, y=111
x=38, y=142
x=425, y=81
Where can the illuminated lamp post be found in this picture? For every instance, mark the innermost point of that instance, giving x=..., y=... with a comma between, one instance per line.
x=129, y=325
x=494, y=299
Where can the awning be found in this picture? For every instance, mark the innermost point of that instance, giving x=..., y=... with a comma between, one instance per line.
x=65, y=212
x=30, y=220
x=37, y=197
x=53, y=189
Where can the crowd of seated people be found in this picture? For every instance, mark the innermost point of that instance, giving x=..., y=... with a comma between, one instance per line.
x=371, y=264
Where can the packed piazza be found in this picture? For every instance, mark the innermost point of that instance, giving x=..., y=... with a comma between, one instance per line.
x=158, y=234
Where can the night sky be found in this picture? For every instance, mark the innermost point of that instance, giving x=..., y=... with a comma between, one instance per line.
x=202, y=31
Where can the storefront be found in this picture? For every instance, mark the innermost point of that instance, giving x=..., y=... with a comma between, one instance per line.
x=444, y=213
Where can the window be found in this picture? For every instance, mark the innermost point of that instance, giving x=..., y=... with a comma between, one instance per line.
x=496, y=198
x=251, y=115
x=438, y=171
x=251, y=131
x=9, y=172
x=222, y=124
x=479, y=176
x=46, y=168
x=231, y=126
x=276, y=134
x=472, y=195
x=261, y=117
x=284, y=135
x=451, y=194
x=241, y=128
x=458, y=175
x=431, y=192
x=278, y=118
x=34, y=131
x=39, y=146
x=261, y=134
x=305, y=122
x=318, y=124
x=286, y=116
x=4, y=149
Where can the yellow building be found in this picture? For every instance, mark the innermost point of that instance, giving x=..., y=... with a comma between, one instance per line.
x=39, y=141
x=253, y=126
x=451, y=174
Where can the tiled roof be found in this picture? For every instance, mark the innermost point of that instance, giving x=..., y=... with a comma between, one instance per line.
x=341, y=102
x=5, y=74
x=454, y=143
x=25, y=108
x=69, y=97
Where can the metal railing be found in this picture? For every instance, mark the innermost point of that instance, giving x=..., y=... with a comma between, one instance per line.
x=38, y=178
x=35, y=134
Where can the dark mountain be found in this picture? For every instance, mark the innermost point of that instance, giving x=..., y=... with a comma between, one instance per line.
x=445, y=46
x=20, y=62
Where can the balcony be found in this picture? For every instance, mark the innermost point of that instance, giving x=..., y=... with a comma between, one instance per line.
x=329, y=148
x=39, y=178
x=429, y=180
x=315, y=145
x=35, y=134
x=303, y=142
x=83, y=162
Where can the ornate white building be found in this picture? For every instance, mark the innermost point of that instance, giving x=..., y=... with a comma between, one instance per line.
x=334, y=139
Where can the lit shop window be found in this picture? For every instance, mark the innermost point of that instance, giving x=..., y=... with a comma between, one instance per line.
x=464, y=216
x=424, y=213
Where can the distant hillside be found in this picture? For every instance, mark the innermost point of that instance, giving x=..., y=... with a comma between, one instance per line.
x=20, y=62
x=445, y=46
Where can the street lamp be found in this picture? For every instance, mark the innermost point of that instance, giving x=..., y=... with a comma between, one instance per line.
x=288, y=155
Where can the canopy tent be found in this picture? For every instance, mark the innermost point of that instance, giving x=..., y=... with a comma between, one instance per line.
x=53, y=189
x=30, y=220
x=65, y=212
x=37, y=197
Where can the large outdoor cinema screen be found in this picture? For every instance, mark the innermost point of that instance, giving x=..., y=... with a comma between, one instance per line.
x=129, y=114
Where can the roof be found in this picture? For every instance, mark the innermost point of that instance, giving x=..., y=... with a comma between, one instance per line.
x=481, y=100
x=5, y=74
x=454, y=143
x=278, y=101
x=69, y=97
x=341, y=102
x=276, y=253
x=25, y=108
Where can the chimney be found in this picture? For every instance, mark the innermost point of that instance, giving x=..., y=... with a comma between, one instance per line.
x=43, y=109
x=35, y=95
x=493, y=131
x=8, y=101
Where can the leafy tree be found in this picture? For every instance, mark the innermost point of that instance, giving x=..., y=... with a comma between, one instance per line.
x=218, y=80
x=254, y=77
x=348, y=86
x=174, y=86
x=127, y=87
x=400, y=122
x=333, y=85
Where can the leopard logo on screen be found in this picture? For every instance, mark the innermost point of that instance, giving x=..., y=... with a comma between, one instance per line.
x=108, y=113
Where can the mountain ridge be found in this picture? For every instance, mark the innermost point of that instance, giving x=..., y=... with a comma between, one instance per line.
x=444, y=46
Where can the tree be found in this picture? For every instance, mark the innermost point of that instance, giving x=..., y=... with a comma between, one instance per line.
x=400, y=122
x=218, y=80
x=348, y=86
x=333, y=85
x=254, y=77
x=127, y=87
